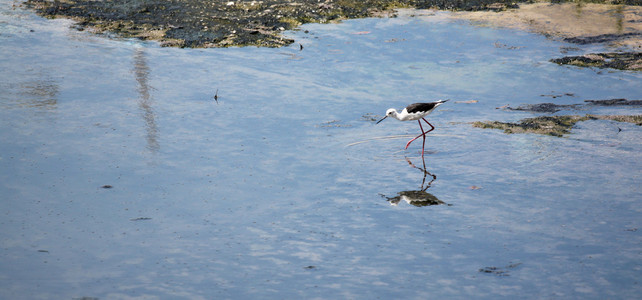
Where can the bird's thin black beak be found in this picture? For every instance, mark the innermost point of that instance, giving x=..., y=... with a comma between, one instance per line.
x=381, y=120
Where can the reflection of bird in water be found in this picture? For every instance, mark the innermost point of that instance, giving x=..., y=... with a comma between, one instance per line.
x=416, y=198
x=415, y=112
x=141, y=72
x=423, y=182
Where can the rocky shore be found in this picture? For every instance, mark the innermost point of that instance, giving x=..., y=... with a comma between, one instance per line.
x=224, y=23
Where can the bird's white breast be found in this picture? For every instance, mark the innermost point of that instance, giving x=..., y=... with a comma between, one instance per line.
x=405, y=116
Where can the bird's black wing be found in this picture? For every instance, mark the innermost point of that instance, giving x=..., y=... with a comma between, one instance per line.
x=420, y=107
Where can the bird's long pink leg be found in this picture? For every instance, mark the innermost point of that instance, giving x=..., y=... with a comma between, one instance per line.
x=431, y=127
x=423, y=134
x=423, y=146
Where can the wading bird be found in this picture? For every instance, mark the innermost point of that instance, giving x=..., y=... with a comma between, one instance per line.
x=412, y=112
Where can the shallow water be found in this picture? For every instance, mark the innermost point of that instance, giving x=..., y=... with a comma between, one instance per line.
x=122, y=177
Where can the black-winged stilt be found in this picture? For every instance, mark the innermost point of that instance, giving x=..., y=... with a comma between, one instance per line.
x=412, y=112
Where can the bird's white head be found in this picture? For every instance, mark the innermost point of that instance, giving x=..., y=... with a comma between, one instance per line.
x=391, y=112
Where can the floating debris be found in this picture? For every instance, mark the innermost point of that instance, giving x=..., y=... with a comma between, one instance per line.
x=140, y=219
x=558, y=95
x=566, y=49
x=394, y=40
x=370, y=117
x=499, y=271
x=334, y=124
x=500, y=45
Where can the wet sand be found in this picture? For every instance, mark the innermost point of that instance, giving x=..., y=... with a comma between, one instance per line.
x=581, y=23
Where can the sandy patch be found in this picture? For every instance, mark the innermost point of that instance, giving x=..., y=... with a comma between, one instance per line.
x=622, y=23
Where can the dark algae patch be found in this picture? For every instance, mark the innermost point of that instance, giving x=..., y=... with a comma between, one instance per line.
x=612, y=102
x=548, y=125
x=553, y=108
x=224, y=23
x=543, y=107
x=560, y=125
x=553, y=125
x=614, y=60
x=601, y=38
x=635, y=119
